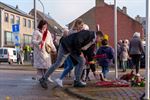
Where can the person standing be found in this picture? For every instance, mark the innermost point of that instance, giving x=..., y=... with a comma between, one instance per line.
x=21, y=56
x=104, y=57
x=136, y=48
x=124, y=56
x=42, y=58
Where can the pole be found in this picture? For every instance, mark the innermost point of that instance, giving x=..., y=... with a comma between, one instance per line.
x=147, y=49
x=42, y=6
x=35, y=17
x=115, y=37
x=2, y=28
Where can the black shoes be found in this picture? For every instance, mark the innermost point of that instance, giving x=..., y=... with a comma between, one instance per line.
x=43, y=83
x=79, y=84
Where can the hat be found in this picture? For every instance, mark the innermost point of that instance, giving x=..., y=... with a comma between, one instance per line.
x=106, y=37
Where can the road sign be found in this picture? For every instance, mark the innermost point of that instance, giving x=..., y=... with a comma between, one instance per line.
x=15, y=28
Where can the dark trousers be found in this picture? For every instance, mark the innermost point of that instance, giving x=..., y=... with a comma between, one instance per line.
x=136, y=61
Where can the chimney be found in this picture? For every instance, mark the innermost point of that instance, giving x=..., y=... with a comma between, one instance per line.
x=137, y=18
x=124, y=10
x=17, y=7
x=99, y=3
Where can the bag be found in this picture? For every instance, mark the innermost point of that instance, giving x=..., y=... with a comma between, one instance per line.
x=47, y=48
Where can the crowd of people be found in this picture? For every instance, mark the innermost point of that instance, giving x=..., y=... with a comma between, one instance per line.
x=81, y=49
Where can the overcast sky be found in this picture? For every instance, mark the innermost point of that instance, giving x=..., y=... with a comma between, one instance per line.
x=64, y=11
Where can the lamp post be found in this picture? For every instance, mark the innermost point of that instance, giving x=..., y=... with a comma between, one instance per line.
x=35, y=18
x=42, y=6
x=115, y=37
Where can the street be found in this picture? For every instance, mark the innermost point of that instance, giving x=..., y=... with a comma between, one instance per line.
x=18, y=85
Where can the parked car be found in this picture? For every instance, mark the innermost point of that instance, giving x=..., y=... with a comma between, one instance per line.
x=8, y=55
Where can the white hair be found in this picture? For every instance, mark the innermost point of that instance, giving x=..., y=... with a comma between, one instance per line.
x=136, y=34
x=85, y=27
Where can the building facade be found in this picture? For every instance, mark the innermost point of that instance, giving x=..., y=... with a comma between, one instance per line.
x=142, y=20
x=12, y=15
x=103, y=15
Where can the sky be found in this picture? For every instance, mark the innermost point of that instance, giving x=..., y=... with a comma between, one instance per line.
x=65, y=11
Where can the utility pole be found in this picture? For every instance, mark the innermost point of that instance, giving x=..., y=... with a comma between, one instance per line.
x=115, y=37
x=147, y=59
x=35, y=17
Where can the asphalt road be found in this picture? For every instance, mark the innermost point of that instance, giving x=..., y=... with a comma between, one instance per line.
x=18, y=85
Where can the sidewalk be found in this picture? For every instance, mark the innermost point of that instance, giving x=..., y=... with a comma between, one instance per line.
x=92, y=92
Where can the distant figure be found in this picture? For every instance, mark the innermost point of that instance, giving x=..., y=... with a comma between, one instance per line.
x=21, y=56
x=124, y=56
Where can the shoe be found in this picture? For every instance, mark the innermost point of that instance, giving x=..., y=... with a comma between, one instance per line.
x=137, y=74
x=142, y=97
x=84, y=83
x=78, y=84
x=101, y=77
x=87, y=78
x=43, y=83
x=59, y=82
x=50, y=80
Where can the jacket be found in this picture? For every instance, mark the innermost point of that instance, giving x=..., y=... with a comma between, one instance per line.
x=107, y=54
x=136, y=46
x=74, y=42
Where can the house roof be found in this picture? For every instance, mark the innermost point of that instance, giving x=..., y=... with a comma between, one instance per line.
x=112, y=6
x=54, y=26
x=15, y=10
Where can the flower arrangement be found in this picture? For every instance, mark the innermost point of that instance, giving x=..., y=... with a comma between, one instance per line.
x=138, y=81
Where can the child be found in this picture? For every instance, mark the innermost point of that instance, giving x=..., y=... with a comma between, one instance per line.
x=104, y=56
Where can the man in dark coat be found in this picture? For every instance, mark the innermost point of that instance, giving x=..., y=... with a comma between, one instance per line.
x=72, y=45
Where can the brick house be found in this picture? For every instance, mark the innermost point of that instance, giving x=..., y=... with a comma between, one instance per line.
x=103, y=15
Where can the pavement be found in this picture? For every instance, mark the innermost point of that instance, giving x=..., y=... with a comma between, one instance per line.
x=93, y=92
x=29, y=90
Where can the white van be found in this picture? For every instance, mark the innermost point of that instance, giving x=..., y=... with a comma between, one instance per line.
x=8, y=55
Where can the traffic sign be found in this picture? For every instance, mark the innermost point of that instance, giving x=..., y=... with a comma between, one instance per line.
x=15, y=28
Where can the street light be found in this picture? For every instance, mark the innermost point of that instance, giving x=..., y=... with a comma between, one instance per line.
x=42, y=6
x=35, y=17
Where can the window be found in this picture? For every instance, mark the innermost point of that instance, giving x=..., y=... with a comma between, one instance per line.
x=6, y=17
x=27, y=39
x=5, y=51
x=12, y=19
x=14, y=52
x=29, y=23
x=8, y=37
x=24, y=22
x=18, y=20
x=1, y=51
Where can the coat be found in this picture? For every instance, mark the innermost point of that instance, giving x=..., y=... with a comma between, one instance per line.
x=124, y=52
x=42, y=59
x=75, y=42
x=107, y=54
x=136, y=46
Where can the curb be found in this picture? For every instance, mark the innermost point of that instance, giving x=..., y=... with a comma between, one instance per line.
x=79, y=95
x=24, y=69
